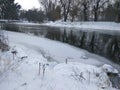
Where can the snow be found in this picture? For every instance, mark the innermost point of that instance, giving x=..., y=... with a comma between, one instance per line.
x=27, y=23
x=92, y=26
x=5, y=60
x=56, y=51
x=82, y=72
x=111, y=26
x=109, y=68
x=5, y=20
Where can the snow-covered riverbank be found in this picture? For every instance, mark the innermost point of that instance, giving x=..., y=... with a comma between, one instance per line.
x=111, y=26
x=81, y=72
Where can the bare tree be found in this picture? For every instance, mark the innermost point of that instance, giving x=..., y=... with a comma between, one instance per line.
x=75, y=7
x=52, y=9
x=117, y=9
x=85, y=5
x=45, y=4
x=66, y=4
x=109, y=13
x=97, y=6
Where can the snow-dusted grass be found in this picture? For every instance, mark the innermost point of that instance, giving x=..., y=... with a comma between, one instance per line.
x=72, y=76
x=81, y=72
x=87, y=25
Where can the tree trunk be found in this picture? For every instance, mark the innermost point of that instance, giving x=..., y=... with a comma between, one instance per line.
x=66, y=11
x=72, y=18
x=118, y=18
x=95, y=16
x=85, y=13
x=65, y=18
x=65, y=14
x=118, y=12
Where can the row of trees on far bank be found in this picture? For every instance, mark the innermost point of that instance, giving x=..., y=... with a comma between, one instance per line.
x=84, y=10
x=32, y=15
x=52, y=10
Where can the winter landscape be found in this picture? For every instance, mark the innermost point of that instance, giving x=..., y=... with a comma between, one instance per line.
x=62, y=45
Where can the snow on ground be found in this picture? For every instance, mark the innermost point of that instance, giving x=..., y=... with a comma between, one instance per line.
x=57, y=51
x=72, y=76
x=87, y=25
x=27, y=23
x=81, y=72
x=5, y=61
x=109, y=26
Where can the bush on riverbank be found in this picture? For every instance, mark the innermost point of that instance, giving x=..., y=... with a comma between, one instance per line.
x=3, y=42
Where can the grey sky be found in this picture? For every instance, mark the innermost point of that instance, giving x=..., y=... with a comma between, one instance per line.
x=28, y=4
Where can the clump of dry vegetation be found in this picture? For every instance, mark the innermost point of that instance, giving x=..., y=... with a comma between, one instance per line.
x=3, y=42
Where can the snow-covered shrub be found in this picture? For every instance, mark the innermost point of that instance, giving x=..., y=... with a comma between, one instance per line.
x=108, y=68
x=92, y=75
x=113, y=75
x=103, y=81
x=4, y=50
x=3, y=42
x=85, y=75
x=78, y=75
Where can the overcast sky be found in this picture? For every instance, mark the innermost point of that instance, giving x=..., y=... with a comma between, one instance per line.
x=28, y=4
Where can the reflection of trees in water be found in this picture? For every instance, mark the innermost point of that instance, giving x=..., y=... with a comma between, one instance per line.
x=99, y=43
